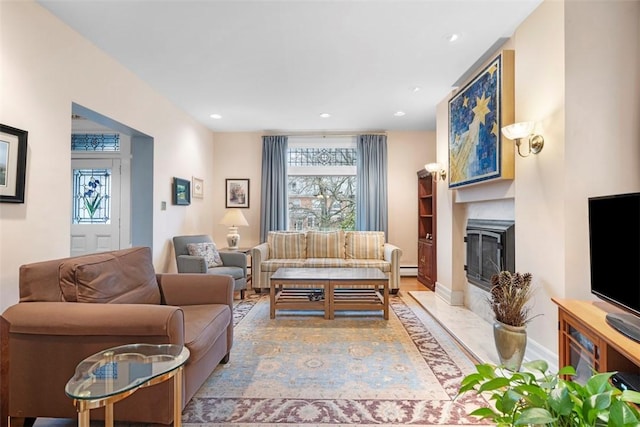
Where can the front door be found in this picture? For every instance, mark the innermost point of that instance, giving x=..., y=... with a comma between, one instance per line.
x=95, y=210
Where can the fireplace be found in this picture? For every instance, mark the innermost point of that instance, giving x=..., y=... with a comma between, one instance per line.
x=490, y=249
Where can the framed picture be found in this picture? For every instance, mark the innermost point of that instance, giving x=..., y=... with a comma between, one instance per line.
x=197, y=188
x=477, y=150
x=13, y=164
x=237, y=193
x=181, y=191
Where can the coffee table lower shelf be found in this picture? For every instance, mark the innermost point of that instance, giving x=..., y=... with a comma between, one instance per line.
x=367, y=299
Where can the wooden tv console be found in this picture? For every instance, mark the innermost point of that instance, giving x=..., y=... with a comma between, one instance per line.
x=586, y=338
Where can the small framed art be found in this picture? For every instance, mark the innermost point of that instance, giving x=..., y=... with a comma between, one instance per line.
x=13, y=164
x=237, y=193
x=181, y=191
x=197, y=189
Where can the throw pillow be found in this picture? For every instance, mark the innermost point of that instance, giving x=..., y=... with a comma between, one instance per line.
x=206, y=250
x=125, y=277
x=364, y=244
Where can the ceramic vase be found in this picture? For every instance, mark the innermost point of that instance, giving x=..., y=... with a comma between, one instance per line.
x=511, y=342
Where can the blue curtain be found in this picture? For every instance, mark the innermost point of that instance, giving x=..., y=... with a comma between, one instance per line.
x=273, y=210
x=371, y=192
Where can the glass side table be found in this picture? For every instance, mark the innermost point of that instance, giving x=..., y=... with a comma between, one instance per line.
x=116, y=373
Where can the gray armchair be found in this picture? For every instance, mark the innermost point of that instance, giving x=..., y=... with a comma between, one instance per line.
x=234, y=263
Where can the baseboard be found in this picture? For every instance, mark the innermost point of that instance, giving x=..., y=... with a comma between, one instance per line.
x=409, y=271
x=451, y=297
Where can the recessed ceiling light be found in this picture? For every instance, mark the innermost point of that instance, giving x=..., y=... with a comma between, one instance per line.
x=452, y=38
x=416, y=89
x=399, y=113
x=325, y=115
x=215, y=116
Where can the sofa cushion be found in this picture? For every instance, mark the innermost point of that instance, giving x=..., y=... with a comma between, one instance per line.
x=123, y=277
x=206, y=250
x=272, y=265
x=203, y=326
x=287, y=244
x=364, y=244
x=325, y=244
x=384, y=266
x=325, y=262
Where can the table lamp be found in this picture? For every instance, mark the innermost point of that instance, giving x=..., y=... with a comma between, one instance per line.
x=233, y=218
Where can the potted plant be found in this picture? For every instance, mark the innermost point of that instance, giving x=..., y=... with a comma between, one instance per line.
x=536, y=397
x=509, y=297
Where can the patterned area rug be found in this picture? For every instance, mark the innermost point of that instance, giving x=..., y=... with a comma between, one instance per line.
x=358, y=369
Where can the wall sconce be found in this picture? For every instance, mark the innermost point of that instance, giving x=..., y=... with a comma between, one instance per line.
x=436, y=171
x=518, y=131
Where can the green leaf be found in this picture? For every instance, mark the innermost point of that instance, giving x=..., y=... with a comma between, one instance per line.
x=533, y=416
x=621, y=414
x=630, y=396
x=494, y=384
x=560, y=401
x=567, y=370
x=599, y=383
x=537, y=365
x=484, y=413
x=486, y=370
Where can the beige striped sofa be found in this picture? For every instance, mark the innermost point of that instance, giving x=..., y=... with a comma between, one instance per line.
x=313, y=249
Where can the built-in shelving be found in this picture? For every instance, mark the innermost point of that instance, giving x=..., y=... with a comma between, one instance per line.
x=426, y=229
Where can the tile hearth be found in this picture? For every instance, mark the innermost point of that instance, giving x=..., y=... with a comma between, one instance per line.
x=471, y=331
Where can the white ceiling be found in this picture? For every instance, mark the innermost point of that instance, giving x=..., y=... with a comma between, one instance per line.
x=270, y=65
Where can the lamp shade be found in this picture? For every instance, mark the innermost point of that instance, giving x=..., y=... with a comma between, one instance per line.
x=432, y=167
x=234, y=218
x=518, y=130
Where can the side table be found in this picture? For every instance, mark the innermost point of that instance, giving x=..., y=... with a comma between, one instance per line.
x=116, y=373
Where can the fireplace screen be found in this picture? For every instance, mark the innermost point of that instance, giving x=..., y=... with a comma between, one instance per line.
x=490, y=249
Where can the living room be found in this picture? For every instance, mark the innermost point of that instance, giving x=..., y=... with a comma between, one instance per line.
x=577, y=75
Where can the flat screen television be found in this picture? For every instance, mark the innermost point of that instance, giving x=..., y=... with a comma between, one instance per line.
x=614, y=244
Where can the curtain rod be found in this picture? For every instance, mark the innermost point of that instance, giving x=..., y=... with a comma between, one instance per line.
x=322, y=134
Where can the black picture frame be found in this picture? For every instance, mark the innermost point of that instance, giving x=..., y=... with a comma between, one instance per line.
x=237, y=193
x=181, y=191
x=13, y=164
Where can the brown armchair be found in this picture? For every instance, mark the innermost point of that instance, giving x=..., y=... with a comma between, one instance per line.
x=74, y=307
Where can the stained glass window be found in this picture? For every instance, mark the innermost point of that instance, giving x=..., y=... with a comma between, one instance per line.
x=92, y=196
x=95, y=142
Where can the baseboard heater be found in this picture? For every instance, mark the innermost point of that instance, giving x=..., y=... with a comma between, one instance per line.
x=411, y=270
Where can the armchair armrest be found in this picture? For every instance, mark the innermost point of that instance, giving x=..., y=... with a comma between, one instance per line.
x=234, y=259
x=158, y=323
x=258, y=254
x=196, y=289
x=191, y=264
x=392, y=254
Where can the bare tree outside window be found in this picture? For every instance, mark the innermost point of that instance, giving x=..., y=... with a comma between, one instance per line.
x=322, y=189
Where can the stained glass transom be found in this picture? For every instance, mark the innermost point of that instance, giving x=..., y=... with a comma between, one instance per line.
x=92, y=196
x=95, y=142
x=322, y=156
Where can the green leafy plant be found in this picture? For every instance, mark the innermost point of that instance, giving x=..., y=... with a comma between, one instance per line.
x=534, y=396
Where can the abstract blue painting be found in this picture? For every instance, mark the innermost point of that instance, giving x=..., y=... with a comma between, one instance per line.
x=475, y=119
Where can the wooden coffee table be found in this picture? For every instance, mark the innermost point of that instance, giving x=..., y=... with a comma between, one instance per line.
x=344, y=289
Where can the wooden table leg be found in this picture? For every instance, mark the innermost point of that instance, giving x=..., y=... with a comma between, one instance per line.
x=108, y=415
x=328, y=300
x=386, y=300
x=177, y=398
x=272, y=300
x=83, y=414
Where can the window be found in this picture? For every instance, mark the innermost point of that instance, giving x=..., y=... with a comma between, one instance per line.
x=322, y=183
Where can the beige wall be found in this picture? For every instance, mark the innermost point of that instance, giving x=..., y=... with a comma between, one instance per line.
x=45, y=66
x=238, y=155
x=577, y=75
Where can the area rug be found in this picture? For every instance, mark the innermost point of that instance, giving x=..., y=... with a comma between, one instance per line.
x=357, y=369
